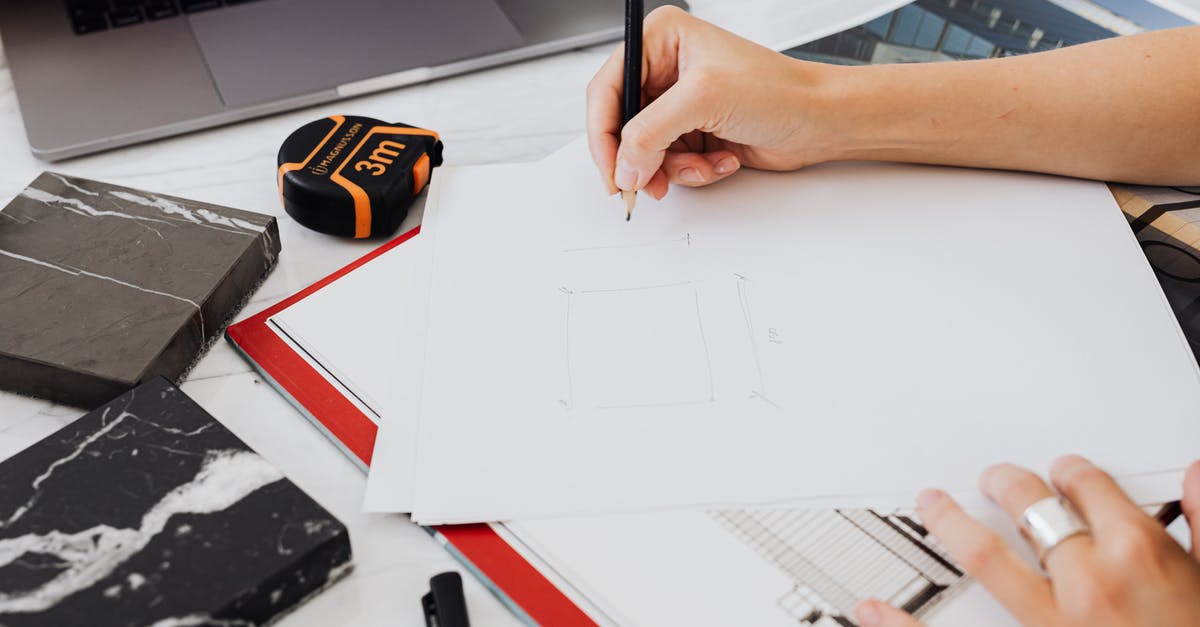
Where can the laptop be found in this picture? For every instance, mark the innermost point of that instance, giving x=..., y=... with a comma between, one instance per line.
x=97, y=74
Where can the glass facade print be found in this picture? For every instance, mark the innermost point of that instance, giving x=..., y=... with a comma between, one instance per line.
x=944, y=30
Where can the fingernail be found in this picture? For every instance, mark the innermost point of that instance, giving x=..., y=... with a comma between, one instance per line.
x=726, y=165
x=868, y=614
x=690, y=175
x=1191, y=485
x=1057, y=465
x=625, y=177
x=985, y=477
x=929, y=498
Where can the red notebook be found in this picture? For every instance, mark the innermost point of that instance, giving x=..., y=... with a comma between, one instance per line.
x=479, y=547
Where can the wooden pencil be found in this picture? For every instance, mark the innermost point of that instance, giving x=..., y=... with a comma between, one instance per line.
x=632, y=90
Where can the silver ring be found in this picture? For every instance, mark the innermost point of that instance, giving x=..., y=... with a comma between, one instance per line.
x=1050, y=521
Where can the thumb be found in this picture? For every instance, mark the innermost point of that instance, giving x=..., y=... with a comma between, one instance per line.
x=646, y=138
x=874, y=613
x=1191, y=504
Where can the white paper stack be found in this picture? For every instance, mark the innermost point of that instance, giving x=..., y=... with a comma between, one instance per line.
x=848, y=334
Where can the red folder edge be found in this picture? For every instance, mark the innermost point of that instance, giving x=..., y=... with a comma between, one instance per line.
x=483, y=551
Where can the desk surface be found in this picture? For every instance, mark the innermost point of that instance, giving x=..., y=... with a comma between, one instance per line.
x=514, y=113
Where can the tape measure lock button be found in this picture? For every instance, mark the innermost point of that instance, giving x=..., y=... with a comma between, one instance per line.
x=355, y=176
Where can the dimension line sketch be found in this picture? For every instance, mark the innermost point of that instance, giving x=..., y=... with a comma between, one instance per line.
x=686, y=240
x=637, y=347
x=837, y=558
x=743, y=291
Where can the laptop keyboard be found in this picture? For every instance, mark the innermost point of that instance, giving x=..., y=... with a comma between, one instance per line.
x=90, y=16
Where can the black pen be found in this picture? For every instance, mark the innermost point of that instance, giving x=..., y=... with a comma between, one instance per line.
x=632, y=92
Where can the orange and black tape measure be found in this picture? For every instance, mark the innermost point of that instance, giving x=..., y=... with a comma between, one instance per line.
x=355, y=176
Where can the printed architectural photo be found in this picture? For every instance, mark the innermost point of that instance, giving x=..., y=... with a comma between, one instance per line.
x=948, y=30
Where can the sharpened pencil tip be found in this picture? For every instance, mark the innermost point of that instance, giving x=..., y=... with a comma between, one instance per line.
x=630, y=199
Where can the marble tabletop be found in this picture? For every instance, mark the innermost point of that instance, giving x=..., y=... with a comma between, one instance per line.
x=514, y=113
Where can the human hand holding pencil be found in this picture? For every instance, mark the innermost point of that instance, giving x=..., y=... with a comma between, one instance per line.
x=704, y=115
x=714, y=102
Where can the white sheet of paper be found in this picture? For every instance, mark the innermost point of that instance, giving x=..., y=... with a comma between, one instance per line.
x=391, y=479
x=351, y=326
x=690, y=568
x=758, y=568
x=845, y=329
x=391, y=483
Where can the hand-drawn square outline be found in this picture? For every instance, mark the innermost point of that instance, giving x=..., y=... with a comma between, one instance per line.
x=569, y=402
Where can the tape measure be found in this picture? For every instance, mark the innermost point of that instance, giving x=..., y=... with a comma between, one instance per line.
x=355, y=176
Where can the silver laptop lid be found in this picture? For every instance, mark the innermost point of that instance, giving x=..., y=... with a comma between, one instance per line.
x=181, y=70
x=272, y=49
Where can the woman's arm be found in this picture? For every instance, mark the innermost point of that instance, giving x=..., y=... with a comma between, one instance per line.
x=1124, y=109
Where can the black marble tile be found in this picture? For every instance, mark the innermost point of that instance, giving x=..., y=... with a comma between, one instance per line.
x=102, y=287
x=148, y=511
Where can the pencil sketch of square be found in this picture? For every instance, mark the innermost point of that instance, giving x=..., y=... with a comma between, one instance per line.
x=640, y=347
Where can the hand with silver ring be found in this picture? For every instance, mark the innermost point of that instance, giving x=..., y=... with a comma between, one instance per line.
x=1048, y=522
x=1105, y=561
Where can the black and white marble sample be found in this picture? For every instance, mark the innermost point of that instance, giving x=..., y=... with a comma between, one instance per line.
x=102, y=287
x=148, y=511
